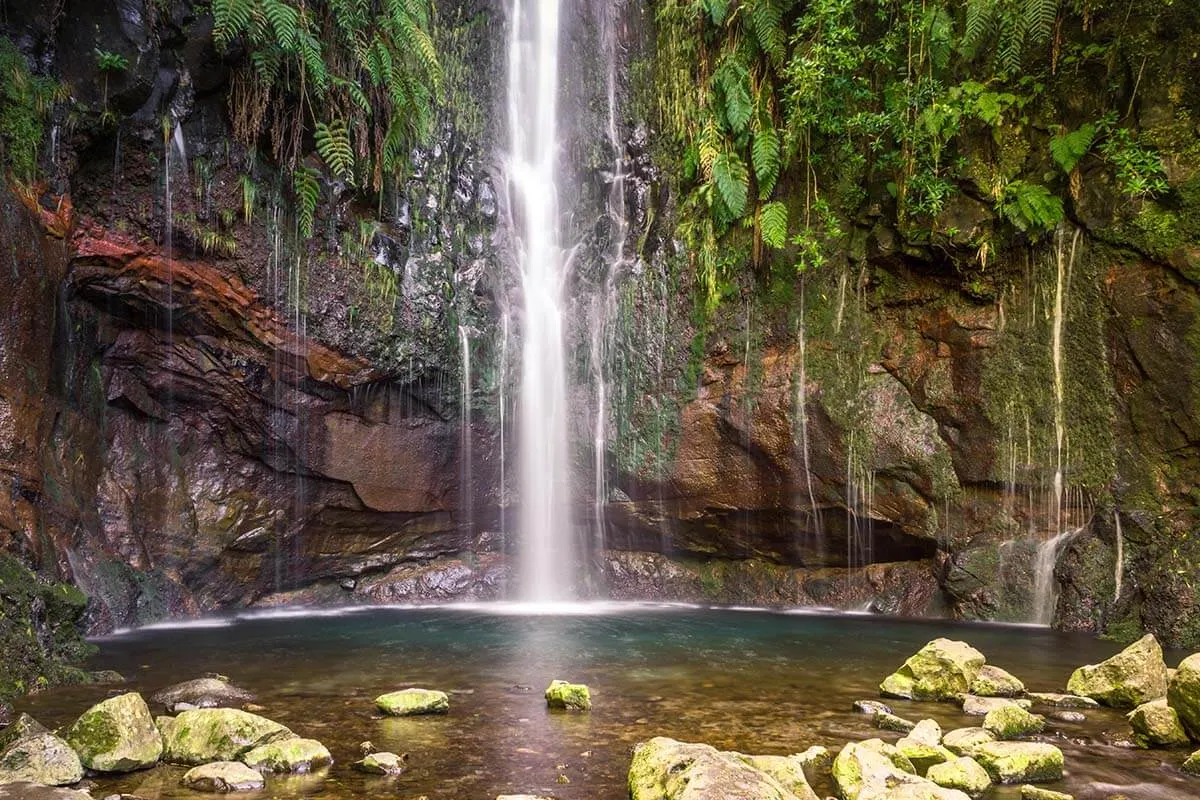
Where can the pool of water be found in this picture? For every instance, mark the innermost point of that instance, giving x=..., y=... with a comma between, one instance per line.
x=754, y=681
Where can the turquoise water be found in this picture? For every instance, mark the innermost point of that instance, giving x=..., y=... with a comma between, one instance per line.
x=758, y=682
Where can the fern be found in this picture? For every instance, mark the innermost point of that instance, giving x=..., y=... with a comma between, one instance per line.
x=773, y=222
x=1068, y=148
x=733, y=81
x=1039, y=17
x=249, y=192
x=284, y=22
x=306, y=183
x=765, y=19
x=732, y=181
x=333, y=145
x=767, y=158
x=231, y=18
x=1031, y=207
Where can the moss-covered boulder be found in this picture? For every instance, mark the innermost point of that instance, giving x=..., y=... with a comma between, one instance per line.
x=574, y=696
x=923, y=755
x=43, y=758
x=787, y=770
x=290, y=755
x=224, y=777
x=1057, y=700
x=1191, y=764
x=963, y=773
x=890, y=722
x=381, y=764
x=964, y=741
x=22, y=727
x=216, y=734
x=866, y=767
x=116, y=735
x=995, y=682
x=665, y=769
x=411, y=702
x=1012, y=722
x=1156, y=724
x=1029, y=792
x=941, y=670
x=980, y=706
x=1134, y=676
x=1020, y=762
x=1183, y=695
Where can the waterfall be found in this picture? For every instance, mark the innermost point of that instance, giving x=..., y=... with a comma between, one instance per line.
x=1119, y=565
x=466, y=479
x=1045, y=590
x=547, y=557
x=802, y=421
x=1064, y=265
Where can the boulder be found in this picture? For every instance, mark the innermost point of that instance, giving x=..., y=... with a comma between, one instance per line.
x=223, y=776
x=1184, y=694
x=923, y=755
x=116, y=735
x=665, y=769
x=1011, y=722
x=964, y=741
x=890, y=722
x=1020, y=762
x=864, y=768
x=995, y=682
x=381, y=764
x=1056, y=700
x=816, y=761
x=1156, y=724
x=941, y=670
x=22, y=727
x=787, y=770
x=289, y=755
x=963, y=773
x=980, y=706
x=927, y=731
x=1029, y=792
x=1133, y=676
x=23, y=790
x=410, y=702
x=925, y=790
x=1191, y=764
x=42, y=758
x=216, y=734
x=575, y=696
x=208, y=692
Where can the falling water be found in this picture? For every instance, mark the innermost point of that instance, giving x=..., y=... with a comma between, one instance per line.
x=503, y=403
x=547, y=551
x=802, y=421
x=1119, y=565
x=466, y=479
x=1045, y=589
x=1064, y=266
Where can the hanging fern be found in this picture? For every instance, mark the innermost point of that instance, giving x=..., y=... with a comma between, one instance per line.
x=1011, y=27
x=773, y=222
x=1068, y=148
x=732, y=182
x=767, y=158
x=333, y=145
x=307, y=185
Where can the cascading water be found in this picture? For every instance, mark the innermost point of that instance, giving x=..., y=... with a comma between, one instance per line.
x=547, y=552
x=1045, y=590
x=466, y=476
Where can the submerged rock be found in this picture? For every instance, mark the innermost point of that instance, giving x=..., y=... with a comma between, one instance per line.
x=1184, y=694
x=1017, y=762
x=1056, y=700
x=964, y=741
x=575, y=696
x=665, y=769
x=116, y=735
x=42, y=758
x=995, y=682
x=381, y=764
x=207, y=692
x=980, y=706
x=963, y=773
x=1011, y=722
x=1134, y=676
x=1038, y=793
x=890, y=722
x=1156, y=724
x=289, y=755
x=1068, y=716
x=24, y=790
x=223, y=776
x=216, y=734
x=941, y=670
x=410, y=702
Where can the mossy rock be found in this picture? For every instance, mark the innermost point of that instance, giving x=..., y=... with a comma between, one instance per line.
x=574, y=696
x=980, y=706
x=964, y=741
x=890, y=722
x=963, y=773
x=411, y=702
x=995, y=682
x=1057, y=700
x=22, y=727
x=1012, y=721
x=116, y=735
x=787, y=770
x=1156, y=724
x=216, y=734
x=1038, y=793
x=1191, y=764
x=1183, y=695
x=943, y=669
x=43, y=758
x=223, y=777
x=24, y=790
x=1134, y=676
x=290, y=755
x=869, y=766
x=666, y=769
x=381, y=764
x=1020, y=762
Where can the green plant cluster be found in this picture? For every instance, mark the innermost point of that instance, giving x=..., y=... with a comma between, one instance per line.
x=25, y=104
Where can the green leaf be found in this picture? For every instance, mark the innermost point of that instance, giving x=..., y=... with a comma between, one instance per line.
x=305, y=181
x=773, y=221
x=766, y=155
x=732, y=181
x=1031, y=207
x=1069, y=148
x=333, y=144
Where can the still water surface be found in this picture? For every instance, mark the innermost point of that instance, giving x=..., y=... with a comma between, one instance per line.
x=754, y=681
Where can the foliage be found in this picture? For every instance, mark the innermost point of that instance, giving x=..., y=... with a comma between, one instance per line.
x=1139, y=169
x=1068, y=148
x=1031, y=207
x=107, y=61
x=1007, y=30
x=25, y=104
x=307, y=185
x=362, y=76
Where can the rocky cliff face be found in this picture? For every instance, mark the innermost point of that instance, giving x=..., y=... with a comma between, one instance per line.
x=199, y=411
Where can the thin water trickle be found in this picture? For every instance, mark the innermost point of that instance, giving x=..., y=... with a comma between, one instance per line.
x=547, y=552
x=466, y=477
x=1119, y=562
x=1045, y=588
x=802, y=421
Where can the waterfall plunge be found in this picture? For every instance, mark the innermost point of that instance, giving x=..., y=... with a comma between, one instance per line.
x=548, y=559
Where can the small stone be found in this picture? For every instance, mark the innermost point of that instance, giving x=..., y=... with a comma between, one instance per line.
x=871, y=707
x=6, y=713
x=963, y=773
x=291, y=755
x=1011, y=722
x=409, y=702
x=1134, y=676
x=1155, y=724
x=1068, y=716
x=964, y=741
x=381, y=764
x=208, y=692
x=349, y=584
x=1020, y=762
x=576, y=696
x=223, y=776
x=1029, y=792
x=980, y=706
x=890, y=722
x=105, y=676
x=995, y=682
x=366, y=748
x=1061, y=700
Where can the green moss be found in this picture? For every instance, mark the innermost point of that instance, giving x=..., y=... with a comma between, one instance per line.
x=24, y=103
